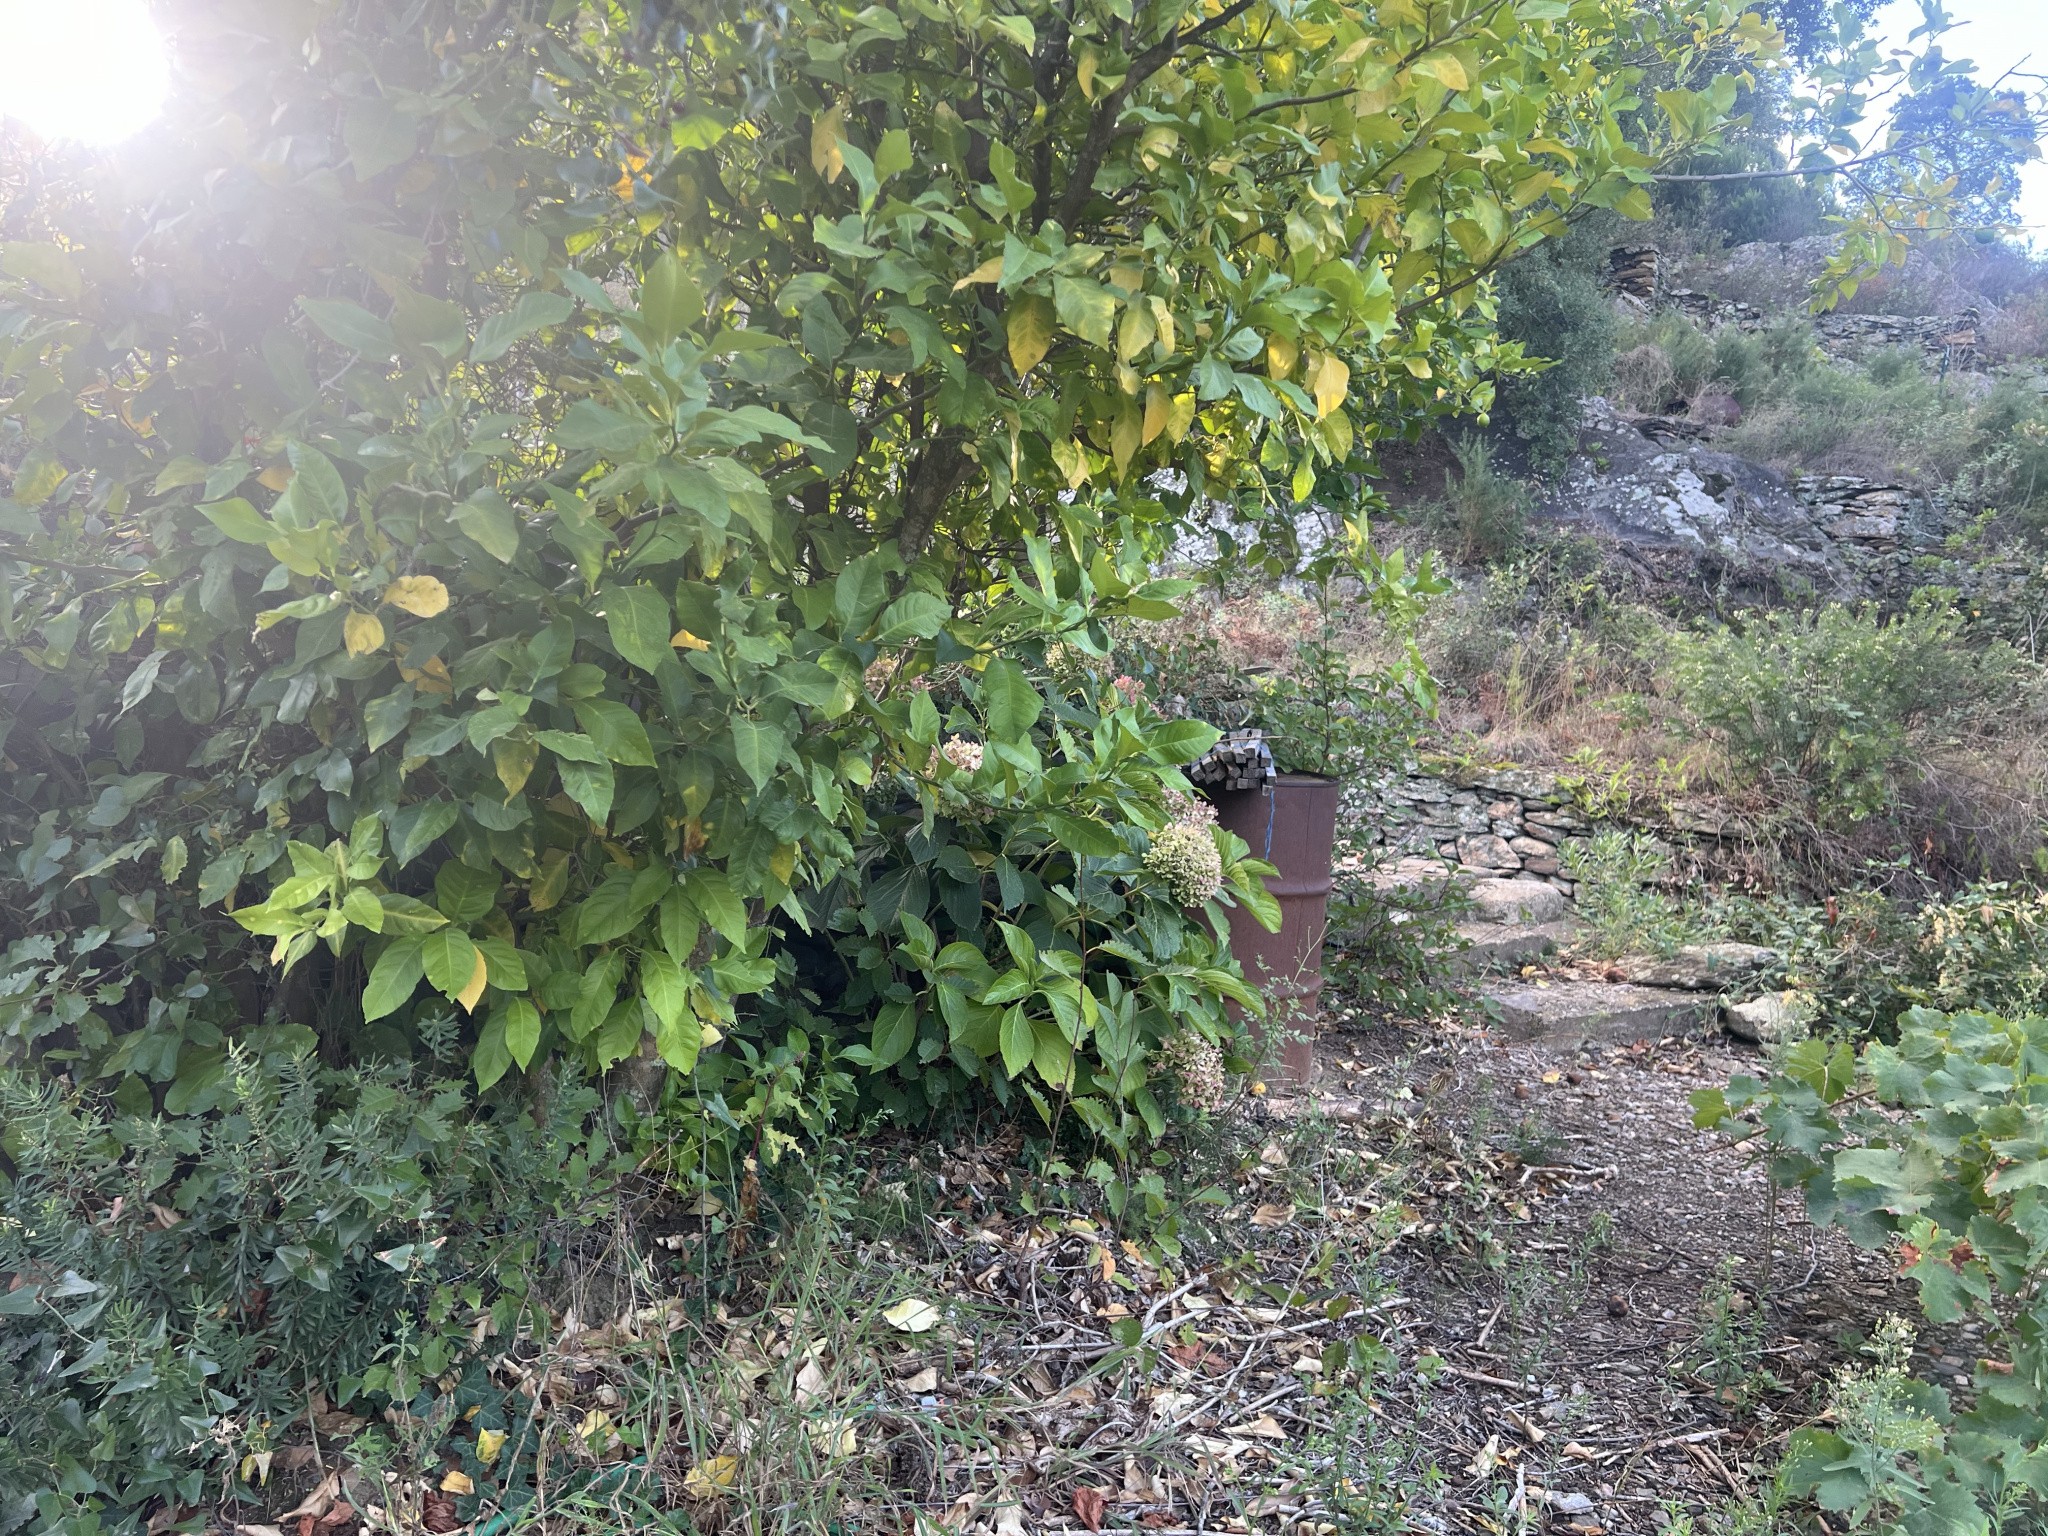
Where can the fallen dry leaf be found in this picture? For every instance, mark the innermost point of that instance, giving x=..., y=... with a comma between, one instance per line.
x=926, y=1380
x=488, y=1443
x=1088, y=1504
x=1010, y=1520
x=912, y=1315
x=712, y=1477
x=457, y=1481
x=1264, y=1427
x=1487, y=1459
x=1271, y=1216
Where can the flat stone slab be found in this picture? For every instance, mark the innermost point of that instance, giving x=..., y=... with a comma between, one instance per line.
x=1569, y=1011
x=1511, y=902
x=1504, y=946
x=1700, y=967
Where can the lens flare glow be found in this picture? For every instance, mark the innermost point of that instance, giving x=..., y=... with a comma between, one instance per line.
x=94, y=71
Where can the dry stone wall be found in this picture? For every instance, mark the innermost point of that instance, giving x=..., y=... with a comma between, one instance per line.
x=1503, y=823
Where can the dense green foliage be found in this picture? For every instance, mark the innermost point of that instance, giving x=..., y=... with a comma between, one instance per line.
x=360, y=1232
x=1930, y=1148
x=1555, y=305
x=1830, y=705
x=578, y=539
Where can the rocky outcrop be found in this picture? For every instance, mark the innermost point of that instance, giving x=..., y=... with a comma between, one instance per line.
x=1684, y=511
x=1783, y=274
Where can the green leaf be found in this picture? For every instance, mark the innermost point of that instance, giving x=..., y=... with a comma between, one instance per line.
x=1011, y=703
x=239, y=521
x=1017, y=1041
x=615, y=731
x=415, y=828
x=378, y=137
x=46, y=266
x=351, y=325
x=1084, y=835
x=680, y=926
x=616, y=907
x=522, y=1030
x=1086, y=308
x=534, y=313
x=489, y=518
x=913, y=616
x=590, y=785
x=449, y=960
x=895, y=1032
x=757, y=746
x=638, y=619
x=392, y=978
x=670, y=300
x=713, y=897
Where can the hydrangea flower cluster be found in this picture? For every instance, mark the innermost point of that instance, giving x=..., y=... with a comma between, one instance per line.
x=1194, y=1064
x=963, y=754
x=1184, y=855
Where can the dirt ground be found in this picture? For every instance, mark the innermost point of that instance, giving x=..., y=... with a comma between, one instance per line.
x=1603, y=1352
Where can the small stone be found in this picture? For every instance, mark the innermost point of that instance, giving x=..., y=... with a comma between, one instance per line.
x=1536, y=831
x=1504, y=810
x=1766, y=1020
x=1526, y=846
x=1487, y=851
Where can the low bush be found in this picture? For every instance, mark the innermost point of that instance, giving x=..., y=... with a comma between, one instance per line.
x=1622, y=910
x=1928, y=1148
x=174, y=1289
x=1483, y=515
x=1826, y=709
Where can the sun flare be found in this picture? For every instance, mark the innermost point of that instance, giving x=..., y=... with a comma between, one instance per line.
x=93, y=71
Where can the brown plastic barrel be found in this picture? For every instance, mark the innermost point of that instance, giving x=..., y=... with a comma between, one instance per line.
x=1292, y=824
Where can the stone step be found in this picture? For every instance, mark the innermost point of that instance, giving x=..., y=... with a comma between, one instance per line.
x=1504, y=946
x=1566, y=1012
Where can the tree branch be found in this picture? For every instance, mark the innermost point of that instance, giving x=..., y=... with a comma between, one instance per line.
x=1102, y=128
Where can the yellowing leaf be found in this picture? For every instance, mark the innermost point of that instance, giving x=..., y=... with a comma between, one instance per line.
x=987, y=272
x=709, y=1035
x=1158, y=407
x=457, y=1481
x=1181, y=416
x=1282, y=353
x=474, y=987
x=1332, y=383
x=712, y=1477
x=422, y=595
x=1445, y=69
x=363, y=632
x=275, y=478
x=827, y=133
x=912, y=1315
x=1029, y=328
x=1125, y=435
x=683, y=640
x=834, y=1437
x=488, y=1443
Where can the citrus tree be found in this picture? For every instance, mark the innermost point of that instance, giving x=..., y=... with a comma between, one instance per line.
x=509, y=507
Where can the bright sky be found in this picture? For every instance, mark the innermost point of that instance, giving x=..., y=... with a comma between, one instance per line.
x=1998, y=35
